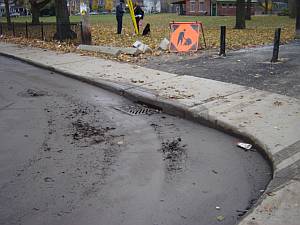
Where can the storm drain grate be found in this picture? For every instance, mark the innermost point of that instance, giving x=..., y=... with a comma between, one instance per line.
x=136, y=110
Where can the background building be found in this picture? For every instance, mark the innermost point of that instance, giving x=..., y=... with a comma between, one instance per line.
x=208, y=7
x=14, y=9
x=152, y=6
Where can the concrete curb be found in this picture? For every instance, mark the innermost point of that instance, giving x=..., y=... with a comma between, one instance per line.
x=142, y=95
x=139, y=94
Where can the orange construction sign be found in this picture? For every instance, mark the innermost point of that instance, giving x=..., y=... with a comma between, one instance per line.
x=184, y=36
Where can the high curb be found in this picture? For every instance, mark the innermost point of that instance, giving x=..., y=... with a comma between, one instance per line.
x=145, y=96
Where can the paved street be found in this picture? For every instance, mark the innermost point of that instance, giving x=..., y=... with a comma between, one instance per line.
x=249, y=67
x=67, y=156
x=269, y=120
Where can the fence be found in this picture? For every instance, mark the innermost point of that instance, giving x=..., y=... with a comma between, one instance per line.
x=43, y=31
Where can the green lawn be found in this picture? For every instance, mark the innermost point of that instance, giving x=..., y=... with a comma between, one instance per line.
x=163, y=20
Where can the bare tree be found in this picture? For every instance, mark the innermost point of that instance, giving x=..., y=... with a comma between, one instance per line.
x=297, y=20
x=240, y=22
x=63, y=26
x=292, y=8
x=36, y=6
x=6, y=2
x=248, y=10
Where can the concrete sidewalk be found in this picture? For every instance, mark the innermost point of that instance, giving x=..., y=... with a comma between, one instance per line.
x=270, y=121
x=249, y=67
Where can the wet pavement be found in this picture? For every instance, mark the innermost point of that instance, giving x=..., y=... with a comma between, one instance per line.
x=69, y=157
x=249, y=67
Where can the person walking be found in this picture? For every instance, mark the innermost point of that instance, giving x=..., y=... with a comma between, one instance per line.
x=119, y=15
x=139, y=15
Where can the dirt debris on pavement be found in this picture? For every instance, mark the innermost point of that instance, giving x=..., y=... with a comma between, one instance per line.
x=85, y=130
x=174, y=152
x=32, y=93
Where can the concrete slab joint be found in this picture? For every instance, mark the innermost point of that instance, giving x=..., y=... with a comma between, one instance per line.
x=101, y=49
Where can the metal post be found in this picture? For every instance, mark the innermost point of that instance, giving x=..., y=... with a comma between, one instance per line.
x=13, y=29
x=276, y=45
x=202, y=30
x=26, y=29
x=42, y=30
x=81, y=32
x=59, y=32
x=223, y=41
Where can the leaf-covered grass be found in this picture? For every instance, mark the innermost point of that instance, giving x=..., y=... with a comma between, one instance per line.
x=260, y=30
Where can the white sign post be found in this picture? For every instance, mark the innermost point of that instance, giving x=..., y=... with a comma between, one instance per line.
x=86, y=37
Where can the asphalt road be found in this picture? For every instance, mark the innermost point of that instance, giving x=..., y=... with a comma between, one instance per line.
x=249, y=67
x=68, y=156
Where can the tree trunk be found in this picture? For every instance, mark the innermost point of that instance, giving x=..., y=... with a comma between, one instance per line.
x=292, y=8
x=240, y=15
x=248, y=11
x=297, y=20
x=63, y=27
x=35, y=11
x=36, y=8
x=6, y=2
x=164, y=6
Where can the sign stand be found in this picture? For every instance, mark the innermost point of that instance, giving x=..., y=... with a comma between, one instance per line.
x=203, y=36
x=184, y=36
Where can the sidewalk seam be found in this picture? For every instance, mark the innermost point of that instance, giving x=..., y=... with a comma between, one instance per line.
x=58, y=64
x=222, y=96
x=142, y=85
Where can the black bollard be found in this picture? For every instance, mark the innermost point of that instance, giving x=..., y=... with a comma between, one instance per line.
x=276, y=45
x=81, y=33
x=26, y=29
x=58, y=28
x=223, y=41
x=42, y=31
x=13, y=29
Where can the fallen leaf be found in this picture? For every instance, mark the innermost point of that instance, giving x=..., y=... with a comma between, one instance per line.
x=277, y=103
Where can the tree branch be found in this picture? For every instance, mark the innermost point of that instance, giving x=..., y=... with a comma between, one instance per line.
x=39, y=5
